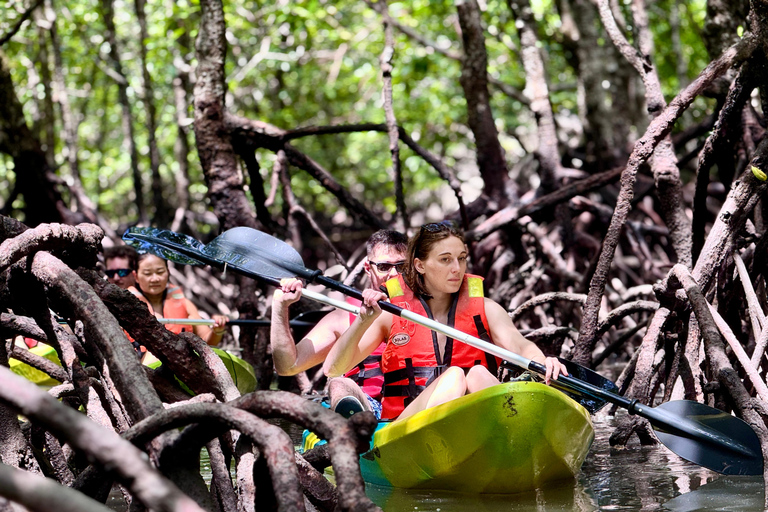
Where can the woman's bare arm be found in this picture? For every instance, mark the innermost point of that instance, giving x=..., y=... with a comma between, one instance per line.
x=505, y=334
x=366, y=333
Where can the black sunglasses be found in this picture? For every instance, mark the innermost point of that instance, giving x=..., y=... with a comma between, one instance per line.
x=436, y=227
x=386, y=267
x=122, y=272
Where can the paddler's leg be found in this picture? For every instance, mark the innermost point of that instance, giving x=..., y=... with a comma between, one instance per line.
x=478, y=377
x=451, y=384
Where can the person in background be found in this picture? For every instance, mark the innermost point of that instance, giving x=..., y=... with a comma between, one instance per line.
x=121, y=262
x=360, y=389
x=166, y=300
x=423, y=368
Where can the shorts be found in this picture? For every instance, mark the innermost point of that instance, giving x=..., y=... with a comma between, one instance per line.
x=375, y=406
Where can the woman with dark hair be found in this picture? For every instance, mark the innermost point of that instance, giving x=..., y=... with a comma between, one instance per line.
x=423, y=368
x=166, y=300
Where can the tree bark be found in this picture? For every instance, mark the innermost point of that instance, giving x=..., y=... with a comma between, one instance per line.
x=217, y=156
x=14, y=449
x=129, y=137
x=160, y=218
x=182, y=91
x=474, y=80
x=663, y=162
x=537, y=90
x=644, y=147
x=733, y=215
x=40, y=494
x=124, y=459
x=386, y=59
x=35, y=180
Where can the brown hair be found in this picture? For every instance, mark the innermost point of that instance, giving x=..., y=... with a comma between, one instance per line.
x=123, y=251
x=389, y=237
x=420, y=245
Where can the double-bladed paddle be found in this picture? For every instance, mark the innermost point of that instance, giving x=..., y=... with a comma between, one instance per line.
x=699, y=433
x=258, y=255
x=236, y=321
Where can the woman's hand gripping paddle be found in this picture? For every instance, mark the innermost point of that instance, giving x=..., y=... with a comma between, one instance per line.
x=699, y=433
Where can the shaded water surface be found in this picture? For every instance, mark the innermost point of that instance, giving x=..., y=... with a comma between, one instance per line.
x=637, y=478
x=633, y=479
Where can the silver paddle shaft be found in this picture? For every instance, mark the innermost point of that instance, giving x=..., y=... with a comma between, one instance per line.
x=187, y=321
x=451, y=332
x=340, y=304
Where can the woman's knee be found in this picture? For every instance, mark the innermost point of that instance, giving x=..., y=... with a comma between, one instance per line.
x=453, y=373
x=478, y=377
x=479, y=372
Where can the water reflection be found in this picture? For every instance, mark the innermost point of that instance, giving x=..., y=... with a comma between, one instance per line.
x=561, y=497
x=634, y=479
x=727, y=493
x=644, y=479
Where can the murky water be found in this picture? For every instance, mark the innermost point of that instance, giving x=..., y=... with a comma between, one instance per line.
x=637, y=479
x=633, y=479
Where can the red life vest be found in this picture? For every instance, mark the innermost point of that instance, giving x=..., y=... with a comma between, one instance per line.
x=174, y=306
x=411, y=360
x=367, y=374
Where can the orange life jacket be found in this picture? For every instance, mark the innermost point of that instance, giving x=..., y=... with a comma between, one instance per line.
x=411, y=360
x=367, y=374
x=174, y=306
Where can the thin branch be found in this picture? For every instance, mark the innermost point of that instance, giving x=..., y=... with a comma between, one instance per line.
x=272, y=441
x=545, y=298
x=741, y=355
x=717, y=359
x=389, y=112
x=644, y=147
x=445, y=172
x=428, y=43
x=756, y=314
x=620, y=312
x=263, y=135
x=511, y=214
x=24, y=17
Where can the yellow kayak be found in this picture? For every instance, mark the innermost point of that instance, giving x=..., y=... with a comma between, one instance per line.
x=240, y=370
x=509, y=438
x=33, y=374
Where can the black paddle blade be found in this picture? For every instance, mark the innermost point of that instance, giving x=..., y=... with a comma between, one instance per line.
x=250, y=249
x=166, y=244
x=734, y=448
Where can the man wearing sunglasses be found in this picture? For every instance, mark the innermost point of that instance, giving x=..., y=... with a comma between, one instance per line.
x=121, y=262
x=360, y=389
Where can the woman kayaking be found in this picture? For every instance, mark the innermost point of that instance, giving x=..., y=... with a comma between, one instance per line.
x=423, y=368
x=166, y=300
